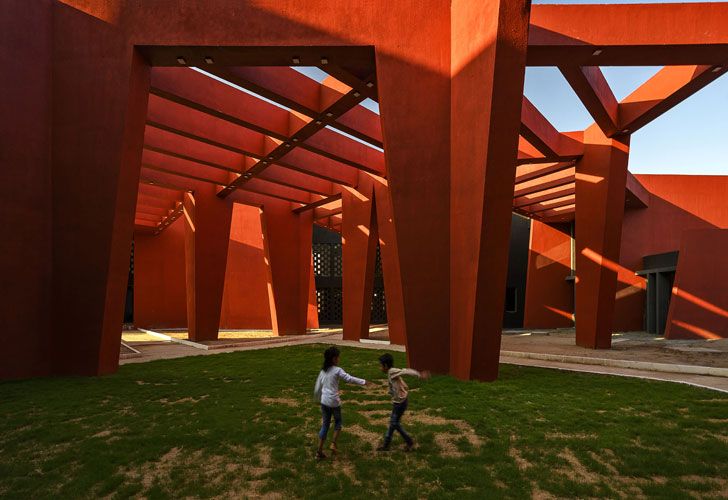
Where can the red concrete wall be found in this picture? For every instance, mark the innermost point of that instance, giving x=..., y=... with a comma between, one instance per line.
x=25, y=187
x=678, y=203
x=245, y=299
x=549, y=297
x=699, y=305
x=159, y=279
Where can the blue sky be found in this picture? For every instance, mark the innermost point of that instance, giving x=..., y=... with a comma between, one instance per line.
x=691, y=138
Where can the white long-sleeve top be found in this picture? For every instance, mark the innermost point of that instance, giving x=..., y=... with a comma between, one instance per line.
x=398, y=388
x=327, y=385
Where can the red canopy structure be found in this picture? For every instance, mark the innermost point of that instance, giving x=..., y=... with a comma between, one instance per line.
x=107, y=130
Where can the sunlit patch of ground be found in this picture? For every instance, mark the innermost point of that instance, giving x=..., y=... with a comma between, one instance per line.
x=244, y=425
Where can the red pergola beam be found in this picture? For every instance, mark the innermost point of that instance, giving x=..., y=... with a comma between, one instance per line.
x=215, y=98
x=191, y=124
x=293, y=90
x=532, y=171
x=599, y=35
x=546, y=182
x=319, y=203
x=540, y=133
x=545, y=195
x=665, y=90
x=594, y=92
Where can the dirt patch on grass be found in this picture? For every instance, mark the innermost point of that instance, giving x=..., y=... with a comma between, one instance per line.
x=363, y=434
x=465, y=430
x=576, y=469
x=188, y=399
x=576, y=435
x=292, y=403
x=515, y=454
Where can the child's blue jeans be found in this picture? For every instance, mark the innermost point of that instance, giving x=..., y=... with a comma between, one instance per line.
x=398, y=410
x=326, y=413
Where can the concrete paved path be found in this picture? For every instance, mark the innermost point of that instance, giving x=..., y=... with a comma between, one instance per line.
x=169, y=350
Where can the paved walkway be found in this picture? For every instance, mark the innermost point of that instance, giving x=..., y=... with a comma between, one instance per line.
x=167, y=350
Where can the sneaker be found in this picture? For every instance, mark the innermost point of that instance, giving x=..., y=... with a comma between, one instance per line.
x=383, y=447
x=409, y=446
x=320, y=455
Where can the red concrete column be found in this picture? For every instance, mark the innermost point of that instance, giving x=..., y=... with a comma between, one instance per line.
x=287, y=238
x=415, y=109
x=207, y=234
x=488, y=57
x=601, y=177
x=100, y=89
x=25, y=188
x=390, y=263
x=159, y=278
x=245, y=300
x=358, y=242
x=549, y=297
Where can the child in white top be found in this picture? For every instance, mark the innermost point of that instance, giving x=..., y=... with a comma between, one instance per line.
x=326, y=391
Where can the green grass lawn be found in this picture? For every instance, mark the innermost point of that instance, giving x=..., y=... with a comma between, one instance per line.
x=244, y=424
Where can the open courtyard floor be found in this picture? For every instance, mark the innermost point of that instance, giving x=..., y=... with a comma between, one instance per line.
x=243, y=424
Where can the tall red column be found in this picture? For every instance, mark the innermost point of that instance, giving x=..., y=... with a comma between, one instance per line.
x=100, y=89
x=207, y=234
x=287, y=239
x=390, y=263
x=601, y=177
x=489, y=40
x=359, y=240
x=414, y=102
x=159, y=278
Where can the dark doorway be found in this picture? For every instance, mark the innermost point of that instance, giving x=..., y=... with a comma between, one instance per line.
x=659, y=270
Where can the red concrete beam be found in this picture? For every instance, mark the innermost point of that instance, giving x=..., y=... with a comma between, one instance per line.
x=594, y=92
x=556, y=179
x=290, y=88
x=665, y=90
x=204, y=127
x=546, y=194
x=531, y=171
x=595, y=35
x=540, y=133
x=324, y=201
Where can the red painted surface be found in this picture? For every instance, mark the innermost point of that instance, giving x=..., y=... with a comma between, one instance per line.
x=99, y=102
x=487, y=66
x=549, y=296
x=358, y=247
x=26, y=200
x=677, y=203
x=245, y=299
x=699, y=305
x=449, y=100
x=287, y=242
x=207, y=232
x=601, y=178
x=160, y=293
